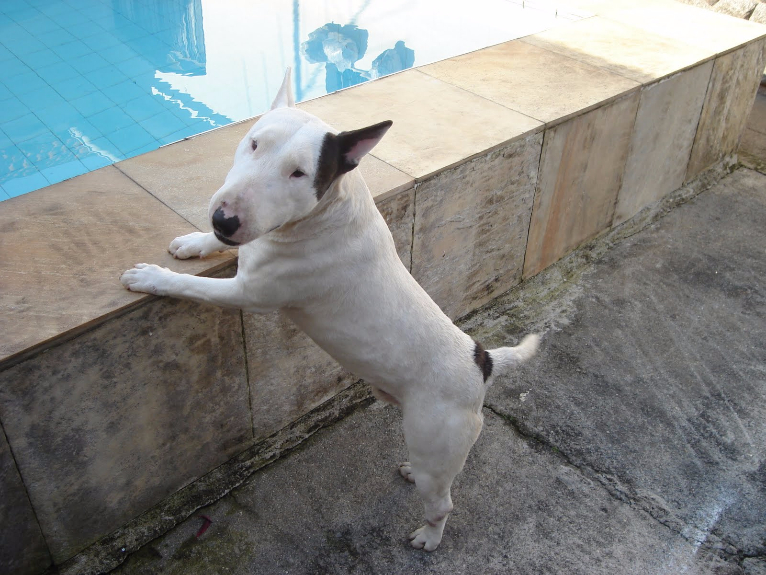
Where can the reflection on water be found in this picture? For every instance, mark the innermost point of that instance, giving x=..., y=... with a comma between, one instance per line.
x=342, y=46
x=331, y=44
x=177, y=28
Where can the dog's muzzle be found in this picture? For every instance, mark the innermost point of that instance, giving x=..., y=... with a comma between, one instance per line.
x=224, y=227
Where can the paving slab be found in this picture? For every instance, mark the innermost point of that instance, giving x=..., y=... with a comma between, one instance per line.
x=340, y=506
x=654, y=376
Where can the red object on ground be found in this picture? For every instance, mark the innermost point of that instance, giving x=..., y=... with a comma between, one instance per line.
x=207, y=522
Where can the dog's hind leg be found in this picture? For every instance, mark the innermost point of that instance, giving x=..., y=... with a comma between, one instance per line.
x=438, y=442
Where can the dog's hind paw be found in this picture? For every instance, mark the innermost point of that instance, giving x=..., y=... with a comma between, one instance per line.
x=406, y=470
x=426, y=537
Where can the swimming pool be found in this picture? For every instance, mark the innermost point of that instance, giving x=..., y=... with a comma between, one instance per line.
x=86, y=83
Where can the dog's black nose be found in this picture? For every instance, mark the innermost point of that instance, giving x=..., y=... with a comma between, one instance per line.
x=223, y=225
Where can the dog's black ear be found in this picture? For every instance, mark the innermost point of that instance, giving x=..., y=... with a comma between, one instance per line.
x=342, y=153
x=353, y=145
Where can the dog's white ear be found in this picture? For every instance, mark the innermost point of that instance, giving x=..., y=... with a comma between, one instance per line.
x=284, y=97
x=353, y=145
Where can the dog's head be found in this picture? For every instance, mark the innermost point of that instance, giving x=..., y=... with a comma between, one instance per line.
x=283, y=169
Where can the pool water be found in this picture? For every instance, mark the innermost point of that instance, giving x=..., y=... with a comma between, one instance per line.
x=86, y=83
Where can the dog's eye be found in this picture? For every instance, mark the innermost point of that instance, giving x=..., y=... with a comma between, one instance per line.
x=254, y=145
x=297, y=174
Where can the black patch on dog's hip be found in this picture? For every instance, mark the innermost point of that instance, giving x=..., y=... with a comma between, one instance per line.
x=483, y=360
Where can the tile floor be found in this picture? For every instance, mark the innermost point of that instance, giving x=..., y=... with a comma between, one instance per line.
x=78, y=89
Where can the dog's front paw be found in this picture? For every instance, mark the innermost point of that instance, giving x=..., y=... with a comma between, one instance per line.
x=426, y=537
x=193, y=245
x=147, y=278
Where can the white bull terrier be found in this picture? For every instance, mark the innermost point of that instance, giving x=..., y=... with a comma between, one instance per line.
x=313, y=244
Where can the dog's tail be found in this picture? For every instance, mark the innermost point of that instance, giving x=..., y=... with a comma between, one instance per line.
x=504, y=358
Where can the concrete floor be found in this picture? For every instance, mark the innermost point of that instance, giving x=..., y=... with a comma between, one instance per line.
x=635, y=442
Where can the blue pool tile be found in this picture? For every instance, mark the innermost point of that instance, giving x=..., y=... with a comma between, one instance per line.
x=79, y=132
x=131, y=33
x=25, y=45
x=55, y=37
x=85, y=30
x=106, y=77
x=96, y=10
x=11, y=109
x=14, y=32
x=57, y=116
x=71, y=50
x=111, y=120
x=186, y=132
x=101, y=41
x=146, y=80
x=118, y=53
x=135, y=67
x=55, y=10
x=44, y=150
x=5, y=141
x=12, y=68
x=21, y=12
x=143, y=108
x=24, y=184
x=92, y=103
x=4, y=195
x=24, y=128
x=182, y=113
x=70, y=18
x=74, y=88
x=162, y=125
x=154, y=49
x=98, y=153
x=40, y=58
x=88, y=63
x=58, y=72
x=142, y=150
x=5, y=93
x=131, y=138
x=23, y=83
x=114, y=22
x=124, y=92
x=43, y=97
x=40, y=24
x=61, y=172
x=102, y=147
x=96, y=161
x=12, y=161
x=5, y=54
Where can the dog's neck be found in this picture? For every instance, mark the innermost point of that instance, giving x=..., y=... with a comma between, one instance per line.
x=343, y=205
